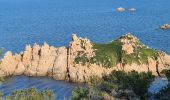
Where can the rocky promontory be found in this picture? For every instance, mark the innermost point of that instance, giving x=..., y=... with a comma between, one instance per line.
x=83, y=59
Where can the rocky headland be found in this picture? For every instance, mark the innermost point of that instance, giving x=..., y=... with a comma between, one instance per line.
x=83, y=59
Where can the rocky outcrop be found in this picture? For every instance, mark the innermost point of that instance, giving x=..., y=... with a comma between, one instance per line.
x=165, y=26
x=60, y=62
x=130, y=43
x=120, y=9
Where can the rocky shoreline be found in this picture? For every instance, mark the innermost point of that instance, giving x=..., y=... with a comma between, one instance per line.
x=74, y=63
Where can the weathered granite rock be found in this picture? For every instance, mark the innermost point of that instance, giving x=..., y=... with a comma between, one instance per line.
x=20, y=68
x=32, y=67
x=120, y=9
x=59, y=63
x=59, y=68
x=8, y=64
x=27, y=56
x=165, y=26
x=46, y=60
x=129, y=43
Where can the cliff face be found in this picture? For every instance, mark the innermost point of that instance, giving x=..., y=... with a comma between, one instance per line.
x=84, y=59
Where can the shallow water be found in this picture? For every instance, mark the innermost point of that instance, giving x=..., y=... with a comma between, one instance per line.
x=28, y=21
x=61, y=89
x=157, y=85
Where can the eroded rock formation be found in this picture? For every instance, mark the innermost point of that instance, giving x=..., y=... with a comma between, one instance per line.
x=60, y=62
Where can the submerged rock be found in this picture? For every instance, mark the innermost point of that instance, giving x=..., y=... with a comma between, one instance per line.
x=83, y=59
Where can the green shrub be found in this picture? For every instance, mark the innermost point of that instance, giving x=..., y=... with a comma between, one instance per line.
x=95, y=80
x=118, y=83
x=1, y=95
x=80, y=93
x=166, y=72
x=31, y=94
x=140, y=82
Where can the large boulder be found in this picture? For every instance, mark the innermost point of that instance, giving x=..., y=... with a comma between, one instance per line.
x=8, y=64
x=47, y=56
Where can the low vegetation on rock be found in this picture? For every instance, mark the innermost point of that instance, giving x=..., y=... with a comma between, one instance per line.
x=118, y=85
x=126, y=50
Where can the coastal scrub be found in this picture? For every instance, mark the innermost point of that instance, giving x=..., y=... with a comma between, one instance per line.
x=117, y=85
x=31, y=94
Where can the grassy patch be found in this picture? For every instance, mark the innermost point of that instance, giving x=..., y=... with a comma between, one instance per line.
x=140, y=56
x=110, y=54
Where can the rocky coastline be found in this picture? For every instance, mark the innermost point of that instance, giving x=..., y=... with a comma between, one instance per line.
x=80, y=61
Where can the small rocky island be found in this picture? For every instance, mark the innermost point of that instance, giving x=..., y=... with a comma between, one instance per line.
x=83, y=59
x=165, y=26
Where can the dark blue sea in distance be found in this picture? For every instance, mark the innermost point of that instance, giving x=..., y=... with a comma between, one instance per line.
x=28, y=21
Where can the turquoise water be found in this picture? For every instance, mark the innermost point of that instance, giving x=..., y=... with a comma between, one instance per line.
x=28, y=21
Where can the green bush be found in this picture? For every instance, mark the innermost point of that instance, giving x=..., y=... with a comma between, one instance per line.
x=118, y=84
x=1, y=95
x=166, y=72
x=31, y=94
x=140, y=82
x=79, y=93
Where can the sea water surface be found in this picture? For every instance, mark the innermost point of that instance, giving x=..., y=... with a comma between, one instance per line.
x=61, y=89
x=28, y=21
